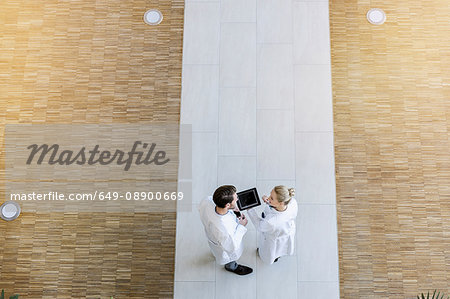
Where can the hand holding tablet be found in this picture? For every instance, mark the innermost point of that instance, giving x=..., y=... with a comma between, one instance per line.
x=248, y=199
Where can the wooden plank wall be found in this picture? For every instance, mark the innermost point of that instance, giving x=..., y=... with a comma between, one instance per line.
x=391, y=93
x=87, y=61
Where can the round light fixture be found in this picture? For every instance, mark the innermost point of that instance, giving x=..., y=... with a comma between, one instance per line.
x=153, y=17
x=9, y=210
x=376, y=16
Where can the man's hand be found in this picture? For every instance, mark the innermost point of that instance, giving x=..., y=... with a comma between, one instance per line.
x=242, y=220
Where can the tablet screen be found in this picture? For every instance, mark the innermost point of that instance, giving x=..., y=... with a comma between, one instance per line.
x=248, y=199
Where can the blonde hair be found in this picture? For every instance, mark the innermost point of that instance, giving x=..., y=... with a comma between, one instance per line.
x=284, y=194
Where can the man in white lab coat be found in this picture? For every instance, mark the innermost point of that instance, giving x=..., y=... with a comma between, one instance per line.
x=223, y=229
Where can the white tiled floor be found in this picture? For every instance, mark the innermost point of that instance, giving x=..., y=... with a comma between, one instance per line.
x=275, y=76
x=237, y=55
x=315, y=168
x=237, y=121
x=200, y=89
x=257, y=91
x=274, y=21
x=239, y=171
x=313, y=101
x=311, y=33
x=201, y=27
x=275, y=145
x=238, y=11
x=204, y=163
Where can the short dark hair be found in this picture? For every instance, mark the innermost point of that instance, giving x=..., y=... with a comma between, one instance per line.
x=223, y=195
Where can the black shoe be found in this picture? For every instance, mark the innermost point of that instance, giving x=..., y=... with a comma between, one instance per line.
x=241, y=270
x=276, y=260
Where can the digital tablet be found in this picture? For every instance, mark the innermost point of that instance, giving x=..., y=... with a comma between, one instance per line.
x=248, y=199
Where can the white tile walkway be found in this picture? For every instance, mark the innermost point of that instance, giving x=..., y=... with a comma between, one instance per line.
x=257, y=91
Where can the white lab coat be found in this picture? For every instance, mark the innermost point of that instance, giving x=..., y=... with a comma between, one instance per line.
x=224, y=232
x=276, y=232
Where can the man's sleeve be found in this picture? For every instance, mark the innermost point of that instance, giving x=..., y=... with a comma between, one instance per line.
x=230, y=243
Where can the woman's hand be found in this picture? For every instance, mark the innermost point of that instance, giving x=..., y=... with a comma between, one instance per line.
x=265, y=199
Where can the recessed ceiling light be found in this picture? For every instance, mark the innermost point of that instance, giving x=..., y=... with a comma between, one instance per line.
x=10, y=210
x=376, y=16
x=153, y=17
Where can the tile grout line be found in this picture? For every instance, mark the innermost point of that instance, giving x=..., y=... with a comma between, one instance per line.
x=295, y=136
x=256, y=131
x=218, y=121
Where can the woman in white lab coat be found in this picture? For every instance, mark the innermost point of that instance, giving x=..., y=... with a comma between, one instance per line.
x=276, y=224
